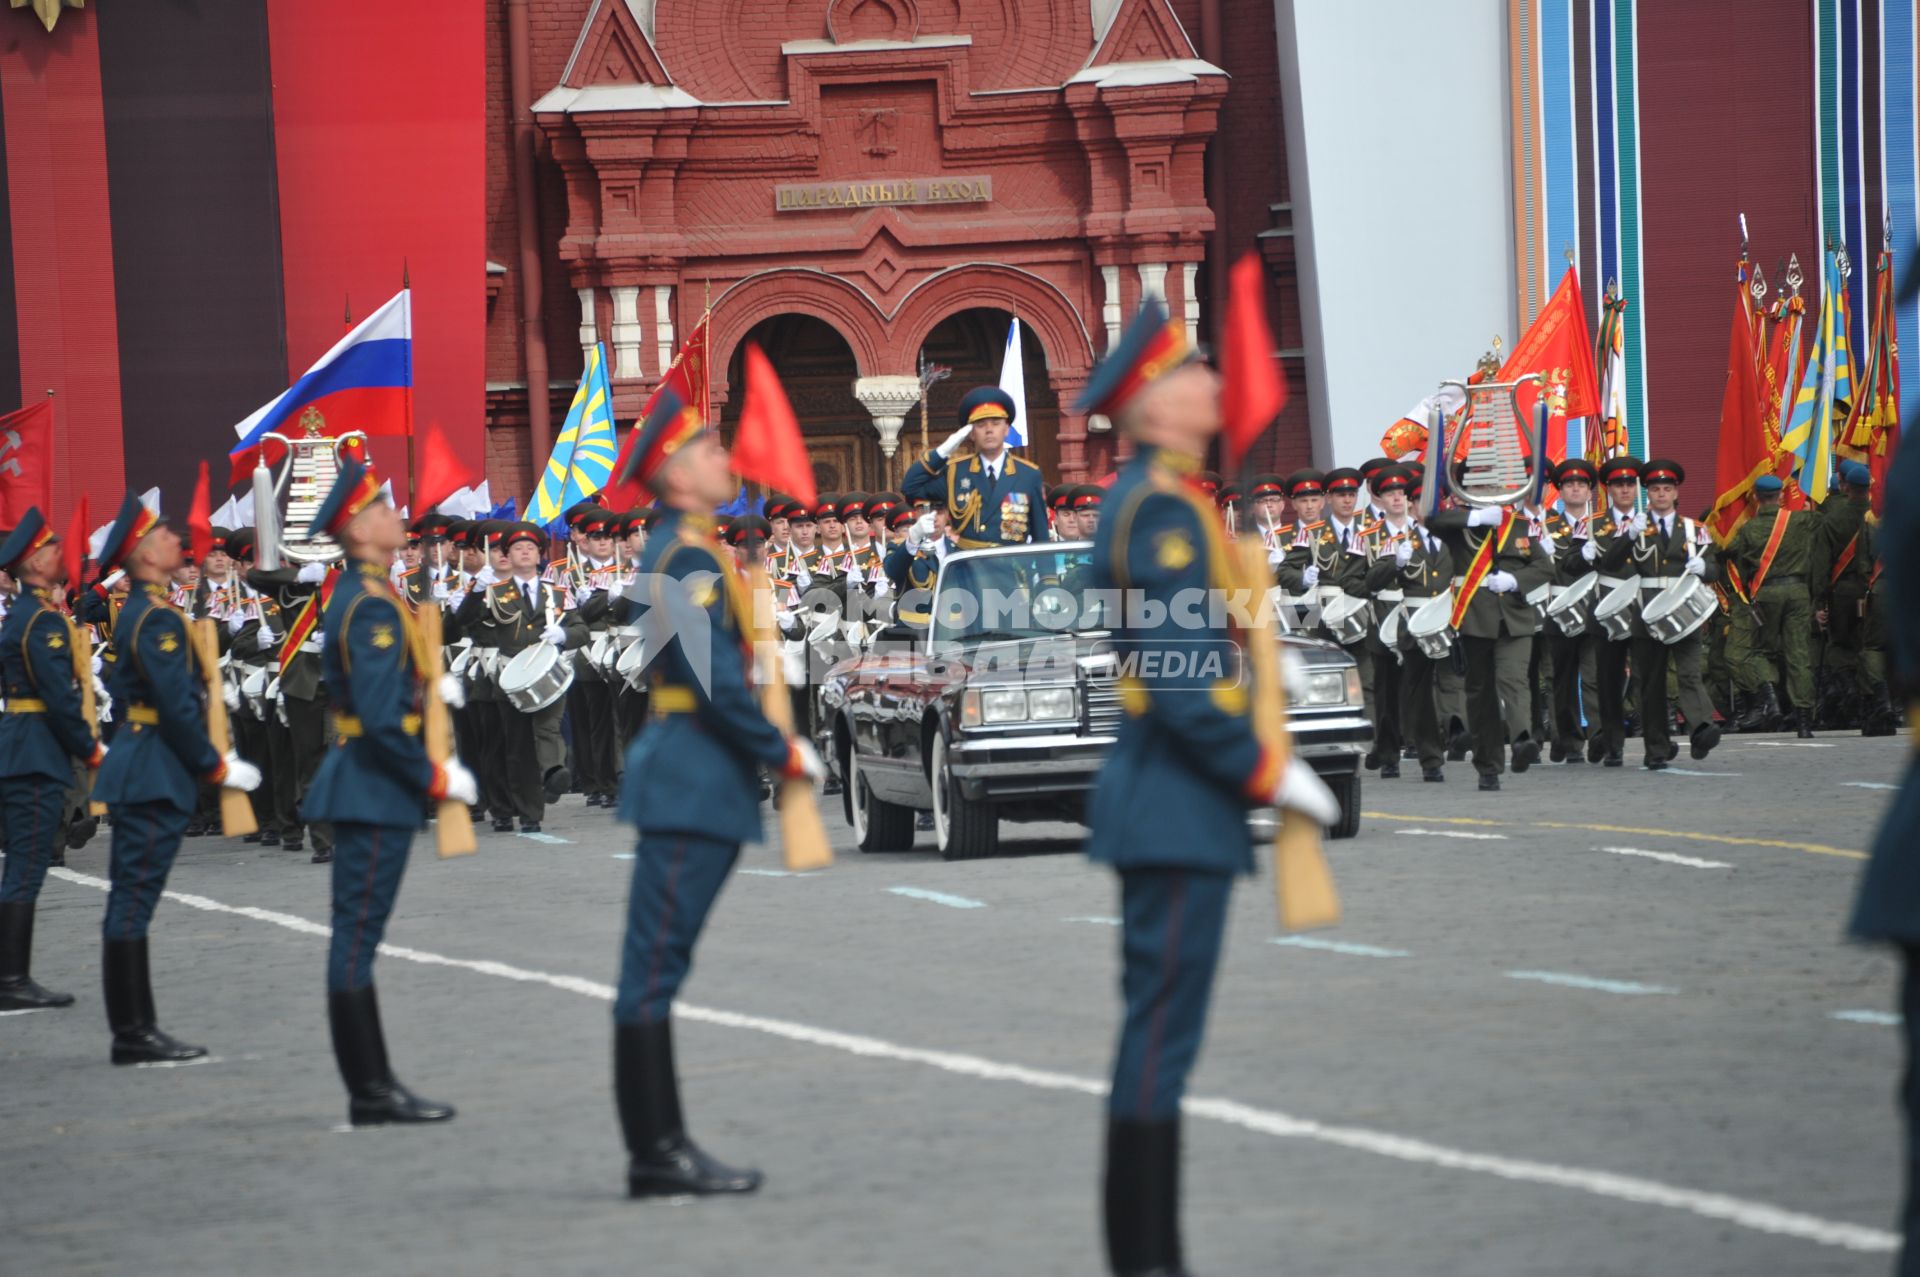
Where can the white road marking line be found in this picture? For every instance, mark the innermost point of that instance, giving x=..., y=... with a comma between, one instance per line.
x=780, y=873
x=1682, y=771
x=1758, y=1216
x=1793, y=744
x=1668, y=857
x=1450, y=833
x=938, y=898
x=1589, y=982
x=623, y=855
x=1867, y=784
x=1097, y=921
x=27, y=1011
x=181, y=1064
x=1888, y=1018
x=546, y=838
x=1340, y=946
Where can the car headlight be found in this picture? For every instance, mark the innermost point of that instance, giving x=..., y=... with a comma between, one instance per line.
x=1051, y=703
x=1328, y=687
x=1003, y=707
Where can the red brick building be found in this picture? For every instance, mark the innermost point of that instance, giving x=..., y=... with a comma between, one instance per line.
x=857, y=185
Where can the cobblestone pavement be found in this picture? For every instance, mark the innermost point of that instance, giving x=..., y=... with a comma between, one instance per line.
x=1602, y=1022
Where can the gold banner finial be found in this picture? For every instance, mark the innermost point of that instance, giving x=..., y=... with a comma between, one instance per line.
x=48, y=11
x=312, y=422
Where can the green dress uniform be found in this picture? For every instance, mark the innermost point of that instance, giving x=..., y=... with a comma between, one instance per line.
x=1888, y=907
x=1410, y=681
x=1778, y=617
x=1575, y=660
x=1605, y=534
x=1496, y=635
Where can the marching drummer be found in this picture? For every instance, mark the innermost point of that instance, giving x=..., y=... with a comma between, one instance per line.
x=1660, y=546
x=1575, y=660
x=1621, y=477
x=1410, y=567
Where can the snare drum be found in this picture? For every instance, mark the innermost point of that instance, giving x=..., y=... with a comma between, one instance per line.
x=1680, y=609
x=1616, y=612
x=1431, y=625
x=1571, y=610
x=536, y=678
x=1538, y=598
x=1347, y=619
x=1393, y=630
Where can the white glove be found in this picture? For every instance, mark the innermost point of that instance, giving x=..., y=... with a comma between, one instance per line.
x=802, y=579
x=263, y=638
x=953, y=441
x=452, y=692
x=1403, y=555
x=555, y=635
x=1637, y=524
x=99, y=662
x=241, y=774
x=1302, y=791
x=1485, y=517
x=461, y=786
x=1696, y=567
x=810, y=764
x=312, y=573
x=440, y=590
x=919, y=531
x=231, y=695
x=235, y=623
x=1311, y=576
x=1502, y=582
x=1590, y=550
x=485, y=577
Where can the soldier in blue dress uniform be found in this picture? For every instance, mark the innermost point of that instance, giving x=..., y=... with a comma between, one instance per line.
x=691, y=786
x=992, y=497
x=150, y=779
x=373, y=783
x=1169, y=810
x=41, y=734
x=1888, y=910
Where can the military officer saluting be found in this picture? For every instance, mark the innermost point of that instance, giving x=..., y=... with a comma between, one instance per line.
x=41, y=734
x=691, y=787
x=149, y=780
x=373, y=784
x=992, y=497
x=1169, y=809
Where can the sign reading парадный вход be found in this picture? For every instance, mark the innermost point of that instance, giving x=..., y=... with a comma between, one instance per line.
x=911, y=190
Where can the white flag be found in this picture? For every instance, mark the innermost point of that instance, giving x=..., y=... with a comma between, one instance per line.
x=1013, y=380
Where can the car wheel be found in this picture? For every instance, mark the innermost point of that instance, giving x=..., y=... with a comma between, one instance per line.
x=877, y=825
x=1347, y=790
x=962, y=829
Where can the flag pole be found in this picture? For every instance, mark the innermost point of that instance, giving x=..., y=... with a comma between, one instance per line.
x=406, y=284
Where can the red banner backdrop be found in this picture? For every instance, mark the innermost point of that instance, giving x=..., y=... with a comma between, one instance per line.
x=378, y=130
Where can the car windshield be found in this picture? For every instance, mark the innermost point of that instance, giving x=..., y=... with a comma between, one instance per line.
x=1015, y=595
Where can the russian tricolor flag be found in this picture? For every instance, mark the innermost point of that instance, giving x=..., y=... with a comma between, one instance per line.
x=364, y=383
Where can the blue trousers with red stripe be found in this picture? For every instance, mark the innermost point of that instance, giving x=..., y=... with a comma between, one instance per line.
x=30, y=817
x=1172, y=924
x=368, y=861
x=146, y=838
x=676, y=879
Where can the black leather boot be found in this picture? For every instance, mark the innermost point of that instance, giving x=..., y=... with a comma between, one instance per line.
x=1803, y=722
x=1704, y=738
x=664, y=1161
x=1143, y=1198
x=1881, y=718
x=1776, y=716
x=375, y=1096
x=128, y=987
x=18, y=992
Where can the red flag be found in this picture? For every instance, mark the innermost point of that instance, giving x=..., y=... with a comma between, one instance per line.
x=688, y=380
x=767, y=447
x=26, y=462
x=73, y=550
x=441, y=474
x=1254, y=388
x=1744, y=453
x=200, y=519
x=1559, y=347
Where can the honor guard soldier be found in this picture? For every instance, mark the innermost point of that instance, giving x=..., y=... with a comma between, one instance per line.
x=1621, y=478
x=1169, y=808
x=1769, y=565
x=511, y=616
x=42, y=734
x=1659, y=545
x=149, y=780
x=1504, y=564
x=1410, y=567
x=1888, y=908
x=373, y=785
x=1575, y=661
x=691, y=787
x=992, y=497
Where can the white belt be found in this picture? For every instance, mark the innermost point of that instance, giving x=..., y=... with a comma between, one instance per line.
x=1653, y=583
x=1611, y=582
x=1459, y=581
x=1390, y=596
x=311, y=646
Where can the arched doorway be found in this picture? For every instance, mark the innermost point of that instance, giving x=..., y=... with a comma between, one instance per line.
x=816, y=365
x=973, y=343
